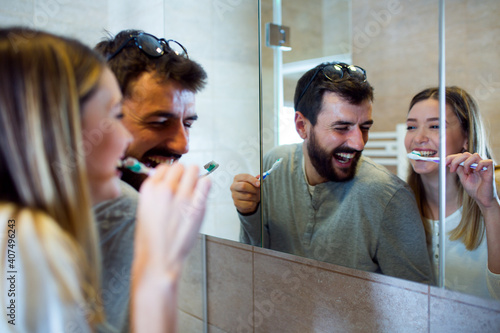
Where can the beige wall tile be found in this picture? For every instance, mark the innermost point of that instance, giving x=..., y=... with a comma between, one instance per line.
x=293, y=297
x=455, y=316
x=191, y=288
x=294, y=294
x=188, y=323
x=230, y=285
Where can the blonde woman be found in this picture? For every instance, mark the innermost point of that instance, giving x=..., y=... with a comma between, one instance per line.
x=472, y=248
x=61, y=141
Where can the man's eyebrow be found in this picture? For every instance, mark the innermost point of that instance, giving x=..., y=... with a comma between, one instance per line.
x=166, y=114
x=343, y=123
x=163, y=114
x=193, y=117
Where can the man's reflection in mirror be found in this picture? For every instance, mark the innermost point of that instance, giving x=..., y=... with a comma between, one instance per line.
x=325, y=200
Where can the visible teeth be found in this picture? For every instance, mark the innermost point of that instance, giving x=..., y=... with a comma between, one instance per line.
x=346, y=155
x=162, y=160
x=424, y=153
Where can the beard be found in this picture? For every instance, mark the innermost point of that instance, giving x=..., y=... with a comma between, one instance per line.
x=321, y=160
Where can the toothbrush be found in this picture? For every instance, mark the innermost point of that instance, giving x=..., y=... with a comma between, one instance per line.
x=210, y=167
x=134, y=165
x=275, y=165
x=415, y=155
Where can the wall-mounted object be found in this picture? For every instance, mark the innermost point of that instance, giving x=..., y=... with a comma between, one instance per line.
x=278, y=36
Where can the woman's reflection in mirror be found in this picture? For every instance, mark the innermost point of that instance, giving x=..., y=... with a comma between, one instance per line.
x=472, y=224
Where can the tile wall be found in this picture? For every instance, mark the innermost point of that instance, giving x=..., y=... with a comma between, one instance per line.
x=258, y=290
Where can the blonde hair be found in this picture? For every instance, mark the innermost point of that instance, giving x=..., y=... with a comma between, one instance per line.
x=471, y=227
x=44, y=81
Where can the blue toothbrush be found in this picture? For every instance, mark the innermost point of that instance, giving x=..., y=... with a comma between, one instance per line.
x=415, y=155
x=273, y=167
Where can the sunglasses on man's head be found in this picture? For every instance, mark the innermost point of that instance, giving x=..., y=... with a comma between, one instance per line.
x=335, y=71
x=152, y=46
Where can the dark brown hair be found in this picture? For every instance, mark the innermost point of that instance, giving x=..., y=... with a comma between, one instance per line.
x=131, y=62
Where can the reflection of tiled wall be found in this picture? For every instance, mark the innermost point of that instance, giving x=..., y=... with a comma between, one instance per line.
x=258, y=290
x=60, y=17
x=397, y=43
x=223, y=37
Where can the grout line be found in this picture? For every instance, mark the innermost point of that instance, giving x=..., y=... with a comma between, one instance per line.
x=253, y=290
x=204, y=282
x=485, y=307
x=429, y=309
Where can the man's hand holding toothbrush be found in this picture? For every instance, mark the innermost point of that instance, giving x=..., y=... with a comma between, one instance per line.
x=245, y=191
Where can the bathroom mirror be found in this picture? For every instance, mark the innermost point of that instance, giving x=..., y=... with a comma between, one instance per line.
x=397, y=43
x=220, y=35
x=472, y=53
x=387, y=39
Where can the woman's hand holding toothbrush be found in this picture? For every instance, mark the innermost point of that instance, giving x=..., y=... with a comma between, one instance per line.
x=479, y=181
x=170, y=211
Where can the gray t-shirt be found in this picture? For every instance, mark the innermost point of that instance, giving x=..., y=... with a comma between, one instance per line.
x=370, y=222
x=116, y=224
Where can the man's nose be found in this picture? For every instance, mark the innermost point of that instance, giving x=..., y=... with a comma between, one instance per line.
x=357, y=139
x=178, y=141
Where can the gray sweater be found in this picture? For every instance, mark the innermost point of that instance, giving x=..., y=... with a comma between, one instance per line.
x=370, y=222
x=116, y=224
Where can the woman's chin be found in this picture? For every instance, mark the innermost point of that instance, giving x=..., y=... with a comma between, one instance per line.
x=425, y=169
x=106, y=191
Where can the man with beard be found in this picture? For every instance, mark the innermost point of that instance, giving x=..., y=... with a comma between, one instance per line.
x=158, y=82
x=326, y=201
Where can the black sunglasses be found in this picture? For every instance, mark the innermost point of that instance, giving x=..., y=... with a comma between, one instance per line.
x=152, y=46
x=335, y=71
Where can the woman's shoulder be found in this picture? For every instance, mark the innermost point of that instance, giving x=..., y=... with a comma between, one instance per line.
x=29, y=222
x=45, y=259
x=41, y=244
x=35, y=233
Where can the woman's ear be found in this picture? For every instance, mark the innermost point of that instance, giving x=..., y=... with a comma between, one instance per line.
x=301, y=125
x=465, y=146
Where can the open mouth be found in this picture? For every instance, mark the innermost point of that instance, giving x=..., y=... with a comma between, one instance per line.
x=425, y=153
x=344, y=158
x=154, y=161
